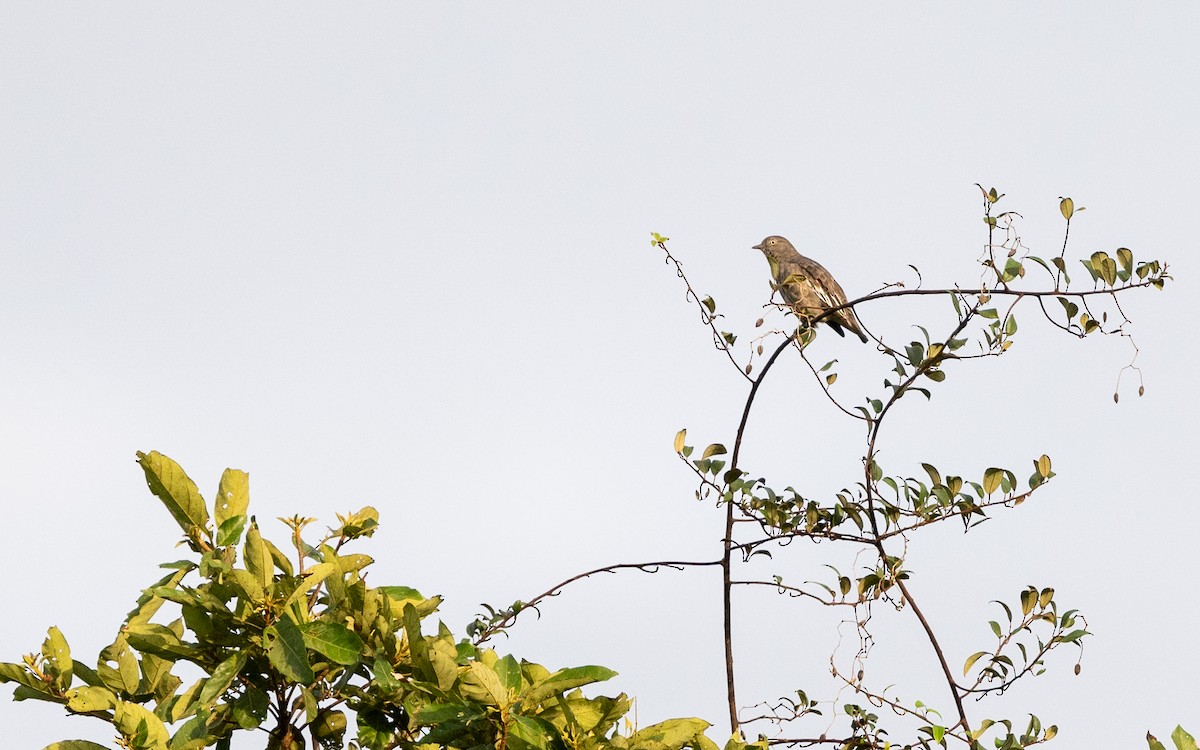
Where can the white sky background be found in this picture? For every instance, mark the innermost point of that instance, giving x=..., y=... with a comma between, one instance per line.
x=399, y=255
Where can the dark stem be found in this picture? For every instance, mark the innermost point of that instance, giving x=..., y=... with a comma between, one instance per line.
x=869, y=485
x=646, y=567
x=727, y=543
x=727, y=613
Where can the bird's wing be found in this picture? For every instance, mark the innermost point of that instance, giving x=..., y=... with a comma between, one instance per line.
x=828, y=297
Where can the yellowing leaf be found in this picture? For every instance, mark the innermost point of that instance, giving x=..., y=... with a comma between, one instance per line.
x=177, y=491
x=1067, y=206
x=233, y=495
x=991, y=480
x=971, y=661
x=1043, y=466
x=1046, y=596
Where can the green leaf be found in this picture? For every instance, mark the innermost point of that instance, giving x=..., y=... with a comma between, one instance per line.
x=1183, y=740
x=258, y=557
x=149, y=602
x=312, y=579
x=1012, y=269
x=375, y=730
x=444, y=658
x=222, y=677
x=193, y=734
x=915, y=352
x=142, y=728
x=402, y=593
x=876, y=471
x=75, y=745
x=177, y=491
x=329, y=728
x=509, y=672
x=158, y=679
x=533, y=733
x=1041, y=263
x=85, y=673
x=716, y=449
x=669, y=735
x=184, y=705
x=249, y=709
x=86, y=699
x=435, y=715
x=361, y=523
x=417, y=647
x=1150, y=740
x=233, y=495
x=152, y=638
x=247, y=585
x=310, y=704
x=333, y=640
x=281, y=560
x=285, y=649
x=59, y=664
x=124, y=677
x=384, y=677
x=564, y=680
x=481, y=683
x=352, y=562
x=230, y=531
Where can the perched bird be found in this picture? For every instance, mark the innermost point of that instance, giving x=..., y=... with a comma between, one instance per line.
x=806, y=286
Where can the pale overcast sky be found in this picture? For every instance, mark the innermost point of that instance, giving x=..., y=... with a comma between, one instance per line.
x=398, y=254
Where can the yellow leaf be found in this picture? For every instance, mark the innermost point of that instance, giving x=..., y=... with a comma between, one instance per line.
x=1043, y=466
x=1067, y=206
x=991, y=480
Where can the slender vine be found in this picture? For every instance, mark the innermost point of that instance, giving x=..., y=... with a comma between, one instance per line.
x=885, y=508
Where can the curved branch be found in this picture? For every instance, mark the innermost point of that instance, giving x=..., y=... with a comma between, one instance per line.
x=510, y=615
x=869, y=485
x=873, y=423
x=993, y=292
x=833, y=536
x=797, y=593
x=707, y=316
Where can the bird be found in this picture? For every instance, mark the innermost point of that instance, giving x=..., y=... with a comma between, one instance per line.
x=807, y=287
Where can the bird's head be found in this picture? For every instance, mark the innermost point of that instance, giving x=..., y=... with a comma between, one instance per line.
x=774, y=246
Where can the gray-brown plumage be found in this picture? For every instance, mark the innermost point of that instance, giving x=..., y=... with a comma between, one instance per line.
x=806, y=286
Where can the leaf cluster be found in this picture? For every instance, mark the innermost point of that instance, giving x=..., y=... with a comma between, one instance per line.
x=293, y=641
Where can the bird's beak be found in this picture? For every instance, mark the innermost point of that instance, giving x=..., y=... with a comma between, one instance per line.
x=759, y=246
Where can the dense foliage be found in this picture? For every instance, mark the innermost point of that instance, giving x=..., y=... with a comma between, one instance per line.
x=292, y=641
